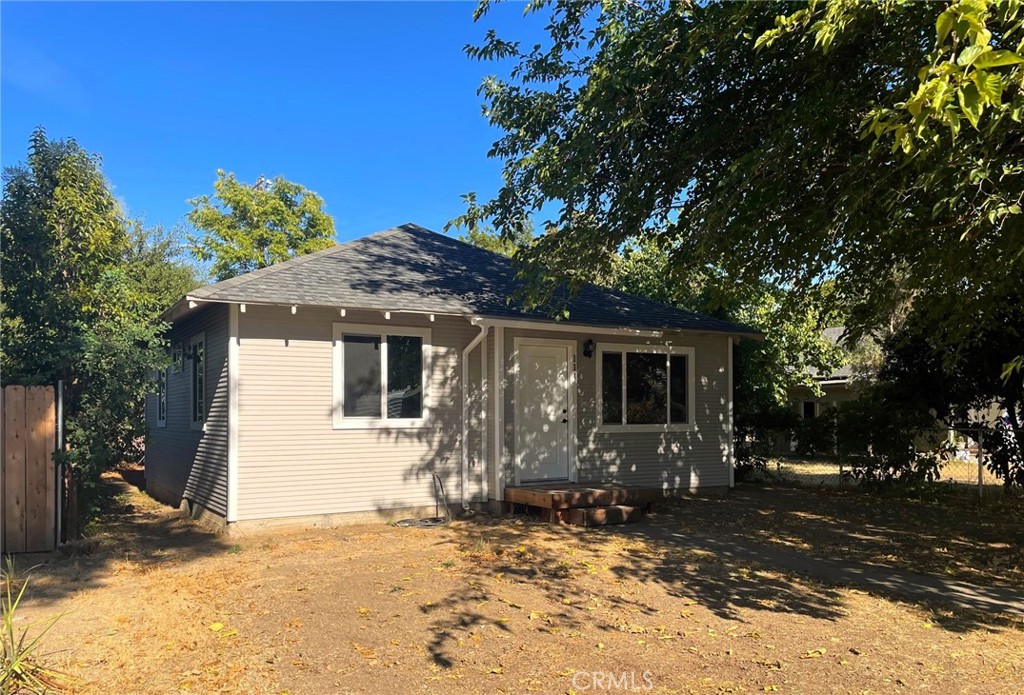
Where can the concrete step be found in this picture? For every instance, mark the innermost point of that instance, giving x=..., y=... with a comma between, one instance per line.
x=600, y=516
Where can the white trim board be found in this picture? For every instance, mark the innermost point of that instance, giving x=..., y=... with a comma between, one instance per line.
x=500, y=374
x=232, y=513
x=731, y=460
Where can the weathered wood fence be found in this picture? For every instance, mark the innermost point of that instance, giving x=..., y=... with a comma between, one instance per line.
x=28, y=491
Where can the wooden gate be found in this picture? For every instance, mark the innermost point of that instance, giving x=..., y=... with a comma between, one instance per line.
x=28, y=494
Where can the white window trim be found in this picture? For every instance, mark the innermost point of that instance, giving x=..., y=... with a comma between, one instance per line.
x=161, y=395
x=667, y=350
x=338, y=355
x=177, y=358
x=194, y=424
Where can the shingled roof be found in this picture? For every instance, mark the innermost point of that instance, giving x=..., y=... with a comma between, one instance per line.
x=410, y=268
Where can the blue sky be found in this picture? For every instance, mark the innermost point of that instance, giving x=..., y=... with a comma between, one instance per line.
x=373, y=106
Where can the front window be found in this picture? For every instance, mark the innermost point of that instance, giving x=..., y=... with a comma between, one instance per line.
x=381, y=376
x=197, y=381
x=645, y=387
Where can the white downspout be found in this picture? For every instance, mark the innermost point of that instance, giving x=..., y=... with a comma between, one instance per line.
x=465, y=406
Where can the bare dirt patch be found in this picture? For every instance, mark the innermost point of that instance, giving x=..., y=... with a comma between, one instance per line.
x=491, y=606
x=952, y=535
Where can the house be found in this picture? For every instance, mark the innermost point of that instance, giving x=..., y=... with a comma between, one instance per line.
x=339, y=382
x=837, y=386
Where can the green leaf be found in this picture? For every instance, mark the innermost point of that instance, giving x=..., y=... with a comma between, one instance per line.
x=990, y=86
x=969, y=55
x=943, y=25
x=997, y=59
x=971, y=104
x=953, y=118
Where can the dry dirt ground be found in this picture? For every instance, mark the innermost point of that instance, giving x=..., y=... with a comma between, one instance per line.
x=516, y=606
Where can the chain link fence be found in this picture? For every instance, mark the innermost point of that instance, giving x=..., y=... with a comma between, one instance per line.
x=962, y=457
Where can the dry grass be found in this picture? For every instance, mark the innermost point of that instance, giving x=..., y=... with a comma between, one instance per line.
x=490, y=606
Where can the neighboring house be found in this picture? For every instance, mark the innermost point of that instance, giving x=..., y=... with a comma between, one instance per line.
x=836, y=387
x=341, y=381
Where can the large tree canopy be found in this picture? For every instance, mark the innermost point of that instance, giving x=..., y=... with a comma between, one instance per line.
x=62, y=230
x=875, y=147
x=83, y=287
x=249, y=227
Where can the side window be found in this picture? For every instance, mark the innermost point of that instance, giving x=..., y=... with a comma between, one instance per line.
x=161, y=398
x=197, y=380
x=177, y=361
x=381, y=377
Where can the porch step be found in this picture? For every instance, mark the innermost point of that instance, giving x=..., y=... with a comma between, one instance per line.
x=599, y=516
x=573, y=496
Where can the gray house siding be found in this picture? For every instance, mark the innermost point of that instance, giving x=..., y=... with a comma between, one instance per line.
x=673, y=461
x=182, y=462
x=292, y=461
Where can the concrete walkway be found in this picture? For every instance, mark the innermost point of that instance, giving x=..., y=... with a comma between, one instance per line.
x=879, y=579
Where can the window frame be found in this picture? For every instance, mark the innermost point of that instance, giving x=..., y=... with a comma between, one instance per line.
x=668, y=351
x=177, y=358
x=340, y=422
x=193, y=422
x=161, y=398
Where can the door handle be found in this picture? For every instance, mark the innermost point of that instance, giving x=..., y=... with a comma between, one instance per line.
x=565, y=421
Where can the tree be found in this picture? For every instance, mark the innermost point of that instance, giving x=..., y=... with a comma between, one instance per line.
x=157, y=266
x=62, y=230
x=793, y=349
x=955, y=387
x=481, y=234
x=83, y=288
x=800, y=144
x=764, y=371
x=250, y=227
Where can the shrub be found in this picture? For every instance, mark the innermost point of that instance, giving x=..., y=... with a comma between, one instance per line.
x=817, y=435
x=1004, y=455
x=878, y=436
x=20, y=667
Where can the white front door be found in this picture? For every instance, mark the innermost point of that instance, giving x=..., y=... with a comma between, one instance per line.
x=543, y=411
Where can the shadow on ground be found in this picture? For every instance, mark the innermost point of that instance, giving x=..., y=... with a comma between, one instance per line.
x=787, y=551
x=131, y=529
x=571, y=567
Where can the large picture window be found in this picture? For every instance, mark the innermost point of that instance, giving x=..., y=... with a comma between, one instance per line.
x=381, y=376
x=645, y=387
